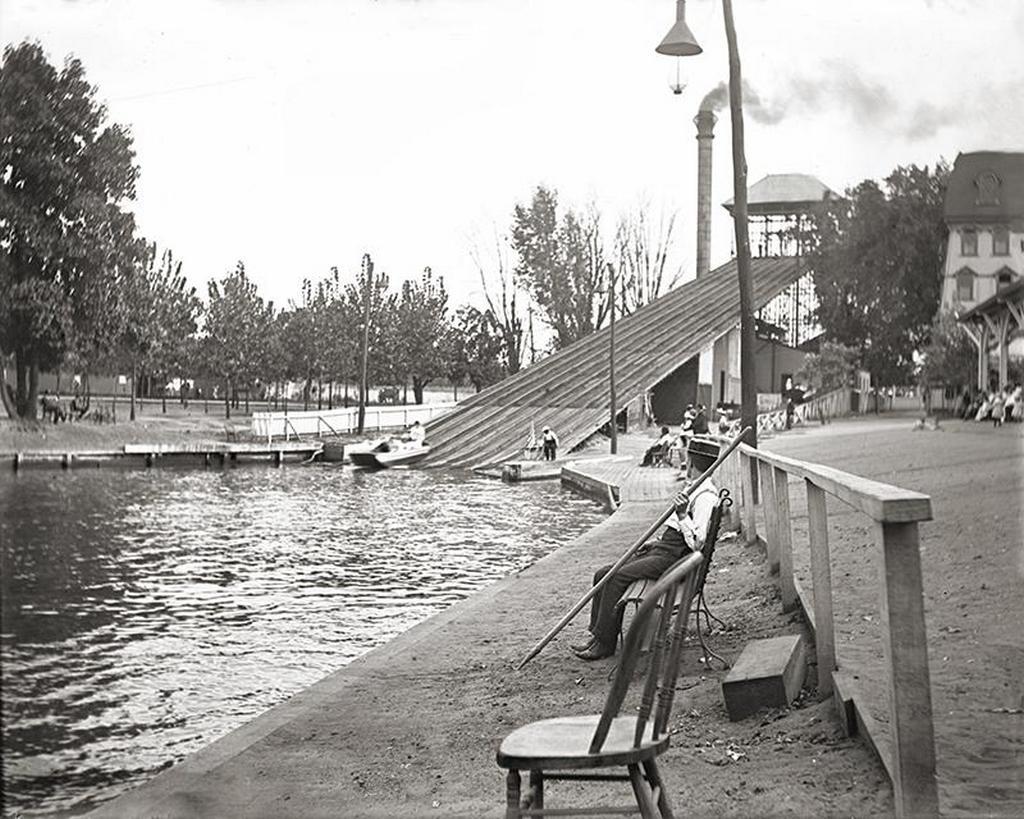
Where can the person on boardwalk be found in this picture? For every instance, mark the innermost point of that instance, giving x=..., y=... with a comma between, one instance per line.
x=683, y=533
x=658, y=452
x=550, y=443
x=700, y=421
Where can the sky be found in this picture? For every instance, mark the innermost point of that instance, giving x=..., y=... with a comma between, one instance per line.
x=296, y=135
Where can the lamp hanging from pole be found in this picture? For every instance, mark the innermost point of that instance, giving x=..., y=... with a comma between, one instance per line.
x=679, y=42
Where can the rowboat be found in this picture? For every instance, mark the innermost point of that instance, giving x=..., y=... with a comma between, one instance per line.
x=387, y=453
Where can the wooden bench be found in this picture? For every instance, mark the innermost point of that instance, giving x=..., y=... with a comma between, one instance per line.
x=638, y=589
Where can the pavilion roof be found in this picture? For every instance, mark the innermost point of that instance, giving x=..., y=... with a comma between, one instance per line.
x=1011, y=294
x=784, y=193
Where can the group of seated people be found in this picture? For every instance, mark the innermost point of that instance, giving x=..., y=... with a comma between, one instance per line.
x=997, y=406
x=695, y=422
x=56, y=410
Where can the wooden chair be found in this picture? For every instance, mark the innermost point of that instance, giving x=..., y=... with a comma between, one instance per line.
x=571, y=748
x=638, y=590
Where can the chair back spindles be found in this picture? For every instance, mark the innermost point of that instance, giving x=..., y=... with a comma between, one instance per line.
x=671, y=598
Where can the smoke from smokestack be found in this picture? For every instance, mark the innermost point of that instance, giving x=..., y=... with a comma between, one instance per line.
x=756, y=108
x=837, y=87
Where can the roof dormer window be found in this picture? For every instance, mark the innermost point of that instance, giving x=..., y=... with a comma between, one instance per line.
x=988, y=185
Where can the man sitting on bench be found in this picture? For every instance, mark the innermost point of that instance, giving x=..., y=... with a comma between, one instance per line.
x=683, y=533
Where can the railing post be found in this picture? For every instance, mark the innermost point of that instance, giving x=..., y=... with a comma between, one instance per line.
x=906, y=653
x=784, y=534
x=749, y=511
x=821, y=578
x=770, y=510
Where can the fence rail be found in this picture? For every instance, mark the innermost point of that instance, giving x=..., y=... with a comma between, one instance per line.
x=270, y=425
x=829, y=405
x=908, y=752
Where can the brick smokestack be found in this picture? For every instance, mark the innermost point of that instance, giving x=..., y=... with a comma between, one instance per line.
x=705, y=122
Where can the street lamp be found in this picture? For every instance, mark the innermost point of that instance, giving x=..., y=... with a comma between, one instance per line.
x=680, y=42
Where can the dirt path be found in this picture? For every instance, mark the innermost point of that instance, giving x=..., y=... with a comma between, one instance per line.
x=973, y=566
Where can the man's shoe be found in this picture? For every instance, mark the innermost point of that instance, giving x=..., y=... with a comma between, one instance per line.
x=578, y=647
x=595, y=652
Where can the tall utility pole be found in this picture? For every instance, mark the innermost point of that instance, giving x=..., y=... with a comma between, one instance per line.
x=368, y=276
x=614, y=429
x=748, y=387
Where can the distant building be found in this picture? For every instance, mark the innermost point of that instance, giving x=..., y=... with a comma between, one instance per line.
x=985, y=215
x=984, y=212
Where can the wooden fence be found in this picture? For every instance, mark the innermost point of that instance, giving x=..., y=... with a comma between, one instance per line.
x=271, y=425
x=907, y=747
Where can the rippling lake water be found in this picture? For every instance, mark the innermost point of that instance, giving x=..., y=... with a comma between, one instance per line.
x=146, y=613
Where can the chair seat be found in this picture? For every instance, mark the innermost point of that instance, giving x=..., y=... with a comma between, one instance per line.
x=564, y=742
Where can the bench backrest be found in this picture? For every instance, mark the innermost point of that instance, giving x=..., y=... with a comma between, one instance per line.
x=711, y=536
x=669, y=601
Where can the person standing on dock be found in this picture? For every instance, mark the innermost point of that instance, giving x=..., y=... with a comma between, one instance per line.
x=550, y=443
x=684, y=532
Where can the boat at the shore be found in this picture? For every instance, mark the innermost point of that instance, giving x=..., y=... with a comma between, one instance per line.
x=387, y=453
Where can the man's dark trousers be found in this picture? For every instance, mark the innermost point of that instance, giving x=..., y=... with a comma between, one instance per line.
x=605, y=616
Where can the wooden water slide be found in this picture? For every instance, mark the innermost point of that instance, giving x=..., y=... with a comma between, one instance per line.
x=568, y=390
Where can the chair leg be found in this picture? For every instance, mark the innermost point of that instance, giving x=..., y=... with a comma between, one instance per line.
x=654, y=777
x=512, y=787
x=642, y=793
x=537, y=787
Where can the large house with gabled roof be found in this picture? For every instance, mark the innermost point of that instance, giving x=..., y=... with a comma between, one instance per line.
x=984, y=211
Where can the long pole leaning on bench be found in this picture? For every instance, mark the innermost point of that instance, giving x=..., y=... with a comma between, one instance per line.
x=569, y=615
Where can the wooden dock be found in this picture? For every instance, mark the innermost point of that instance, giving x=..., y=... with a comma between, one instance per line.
x=622, y=479
x=187, y=452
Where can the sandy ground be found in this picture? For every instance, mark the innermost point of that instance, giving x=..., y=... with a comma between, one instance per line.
x=973, y=570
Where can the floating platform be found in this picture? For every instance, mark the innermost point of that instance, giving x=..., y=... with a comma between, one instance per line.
x=206, y=452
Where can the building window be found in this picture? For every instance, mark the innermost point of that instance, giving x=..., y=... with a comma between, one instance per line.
x=965, y=284
x=968, y=242
x=1004, y=277
x=1000, y=241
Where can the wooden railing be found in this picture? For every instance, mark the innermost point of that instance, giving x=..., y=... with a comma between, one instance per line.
x=830, y=405
x=908, y=752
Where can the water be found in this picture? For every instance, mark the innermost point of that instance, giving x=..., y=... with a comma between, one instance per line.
x=146, y=613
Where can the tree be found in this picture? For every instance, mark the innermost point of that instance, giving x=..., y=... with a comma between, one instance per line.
x=65, y=241
x=642, y=249
x=238, y=328
x=421, y=313
x=382, y=347
x=503, y=306
x=876, y=257
x=478, y=347
x=161, y=318
x=561, y=262
x=829, y=369
x=950, y=358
